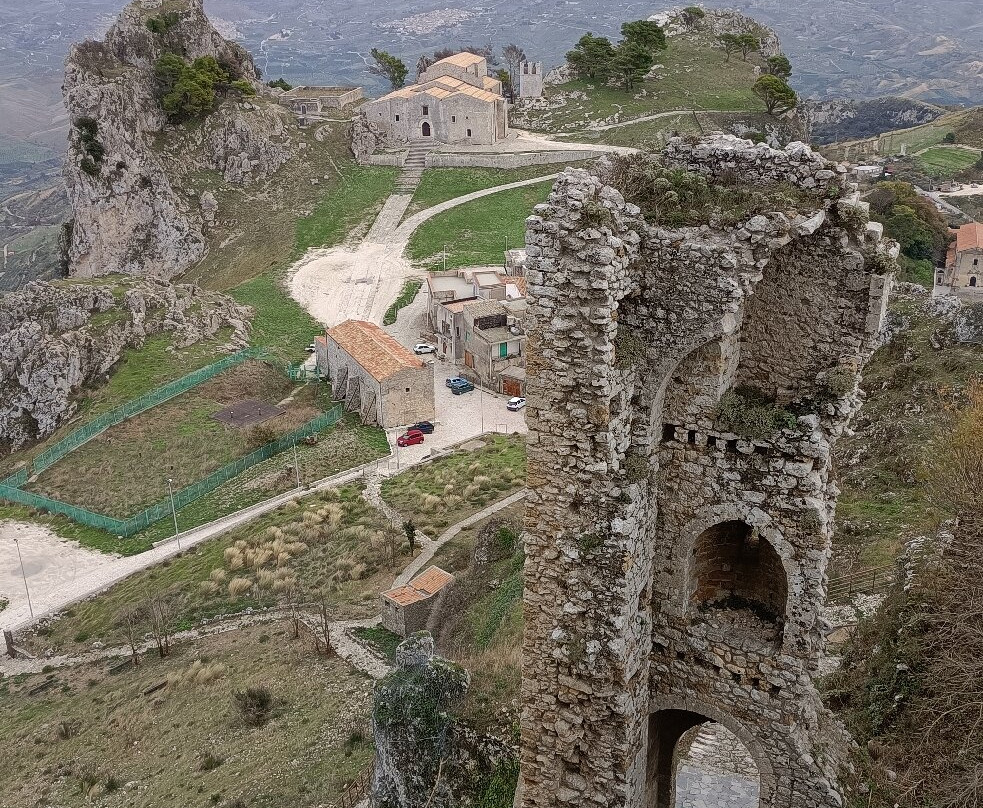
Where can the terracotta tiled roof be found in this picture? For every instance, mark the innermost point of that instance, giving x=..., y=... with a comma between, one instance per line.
x=373, y=349
x=443, y=87
x=969, y=237
x=463, y=59
x=427, y=584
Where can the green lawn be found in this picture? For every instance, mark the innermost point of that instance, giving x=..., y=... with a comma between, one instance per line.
x=334, y=534
x=946, y=161
x=441, y=184
x=475, y=233
x=442, y=493
x=694, y=74
x=646, y=134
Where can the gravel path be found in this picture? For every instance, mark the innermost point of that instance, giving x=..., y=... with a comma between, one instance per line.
x=345, y=282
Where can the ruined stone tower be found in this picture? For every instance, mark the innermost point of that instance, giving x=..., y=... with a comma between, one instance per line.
x=676, y=564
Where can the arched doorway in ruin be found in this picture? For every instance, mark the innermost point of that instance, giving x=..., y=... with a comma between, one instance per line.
x=737, y=578
x=694, y=760
x=426, y=129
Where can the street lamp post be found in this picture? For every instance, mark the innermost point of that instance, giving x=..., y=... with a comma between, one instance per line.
x=23, y=572
x=170, y=493
x=445, y=258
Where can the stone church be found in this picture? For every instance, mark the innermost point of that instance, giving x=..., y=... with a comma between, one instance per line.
x=454, y=101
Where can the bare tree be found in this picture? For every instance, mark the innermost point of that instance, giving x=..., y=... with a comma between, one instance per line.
x=161, y=609
x=325, y=607
x=514, y=56
x=132, y=620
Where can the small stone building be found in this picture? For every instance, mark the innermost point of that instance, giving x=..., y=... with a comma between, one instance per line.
x=494, y=344
x=530, y=79
x=963, y=271
x=406, y=609
x=311, y=102
x=455, y=101
x=376, y=376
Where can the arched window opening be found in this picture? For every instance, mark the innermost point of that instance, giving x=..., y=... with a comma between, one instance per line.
x=972, y=281
x=694, y=761
x=736, y=574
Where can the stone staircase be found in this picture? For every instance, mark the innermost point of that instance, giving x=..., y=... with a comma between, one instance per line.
x=413, y=167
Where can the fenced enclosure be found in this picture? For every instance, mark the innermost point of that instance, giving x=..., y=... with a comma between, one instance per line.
x=12, y=491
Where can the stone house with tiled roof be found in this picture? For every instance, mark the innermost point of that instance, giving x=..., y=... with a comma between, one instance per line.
x=454, y=101
x=384, y=382
x=963, y=271
x=406, y=609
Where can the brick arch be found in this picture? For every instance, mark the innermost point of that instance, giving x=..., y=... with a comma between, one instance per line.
x=685, y=714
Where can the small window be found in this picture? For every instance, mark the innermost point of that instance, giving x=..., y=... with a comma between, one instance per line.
x=426, y=110
x=976, y=262
x=397, y=117
x=469, y=133
x=503, y=350
x=453, y=118
x=972, y=281
x=407, y=389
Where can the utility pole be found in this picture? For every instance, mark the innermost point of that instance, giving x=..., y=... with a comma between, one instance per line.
x=481, y=406
x=170, y=493
x=23, y=572
x=445, y=258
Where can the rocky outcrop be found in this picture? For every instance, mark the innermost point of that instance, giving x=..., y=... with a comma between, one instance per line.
x=424, y=754
x=366, y=138
x=832, y=121
x=125, y=162
x=56, y=339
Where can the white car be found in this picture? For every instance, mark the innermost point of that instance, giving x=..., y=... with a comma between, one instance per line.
x=424, y=348
x=515, y=404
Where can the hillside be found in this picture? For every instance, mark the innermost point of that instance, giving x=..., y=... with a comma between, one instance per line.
x=694, y=87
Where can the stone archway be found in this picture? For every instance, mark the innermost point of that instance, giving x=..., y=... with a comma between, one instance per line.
x=695, y=761
x=425, y=129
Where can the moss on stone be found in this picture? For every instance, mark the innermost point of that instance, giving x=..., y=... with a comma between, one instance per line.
x=748, y=412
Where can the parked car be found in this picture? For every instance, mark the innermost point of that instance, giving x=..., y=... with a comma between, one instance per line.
x=424, y=426
x=411, y=438
x=464, y=387
x=515, y=404
x=424, y=348
x=455, y=380
x=311, y=348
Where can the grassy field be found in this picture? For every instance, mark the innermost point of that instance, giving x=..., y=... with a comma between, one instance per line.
x=475, y=233
x=333, y=536
x=913, y=390
x=442, y=493
x=441, y=184
x=648, y=135
x=94, y=738
x=694, y=74
x=946, y=161
x=114, y=472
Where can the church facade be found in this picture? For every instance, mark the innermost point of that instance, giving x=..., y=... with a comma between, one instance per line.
x=454, y=101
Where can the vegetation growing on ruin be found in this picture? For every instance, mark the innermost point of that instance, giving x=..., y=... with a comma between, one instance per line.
x=678, y=198
x=748, y=412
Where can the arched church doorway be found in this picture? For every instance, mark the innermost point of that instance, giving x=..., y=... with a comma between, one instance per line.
x=426, y=129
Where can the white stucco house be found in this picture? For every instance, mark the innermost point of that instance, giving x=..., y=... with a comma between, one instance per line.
x=454, y=101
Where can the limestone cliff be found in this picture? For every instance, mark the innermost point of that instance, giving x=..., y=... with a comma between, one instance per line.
x=126, y=161
x=56, y=339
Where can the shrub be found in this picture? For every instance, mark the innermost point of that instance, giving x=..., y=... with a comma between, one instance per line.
x=210, y=761
x=243, y=87
x=281, y=82
x=750, y=413
x=239, y=587
x=594, y=215
x=255, y=704
x=629, y=348
x=164, y=23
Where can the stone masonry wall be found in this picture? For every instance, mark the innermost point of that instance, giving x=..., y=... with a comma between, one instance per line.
x=636, y=332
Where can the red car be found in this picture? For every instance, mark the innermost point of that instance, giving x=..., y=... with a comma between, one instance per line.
x=411, y=438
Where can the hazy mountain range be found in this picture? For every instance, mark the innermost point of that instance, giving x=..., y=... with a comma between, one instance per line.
x=840, y=48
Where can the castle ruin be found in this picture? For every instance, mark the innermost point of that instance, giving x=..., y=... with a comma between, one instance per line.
x=675, y=564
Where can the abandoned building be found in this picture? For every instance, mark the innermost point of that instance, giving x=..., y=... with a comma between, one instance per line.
x=963, y=271
x=406, y=609
x=676, y=558
x=314, y=102
x=454, y=101
x=376, y=376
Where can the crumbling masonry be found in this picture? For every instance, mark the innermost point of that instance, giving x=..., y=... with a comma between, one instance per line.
x=675, y=571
